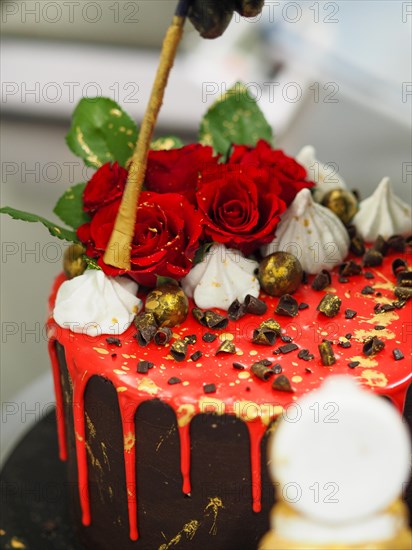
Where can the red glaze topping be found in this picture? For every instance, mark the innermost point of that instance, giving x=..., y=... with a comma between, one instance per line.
x=237, y=391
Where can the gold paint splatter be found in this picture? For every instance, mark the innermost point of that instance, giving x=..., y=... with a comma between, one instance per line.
x=121, y=389
x=2, y=532
x=244, y=375
x=94, y=461
x=188, y=530
x=169, y=432
x=148, y=386
x=253, y=352
x=364, y=361
x=361, y=335
x=119, y=372
x=297, y=379
x=213, y=507
x=384, y=319
x=110, y=490
x=239, y=352
x=116, y=112
x=373, y=378
x=101, y=351
x=185, y=383
x=90, y=425
x=79, y=437
x=104, y=453
x=91, y=157
x=185, y=413
x=125, y=356
x=129, y=441
x=226, y=336
x=17, y=543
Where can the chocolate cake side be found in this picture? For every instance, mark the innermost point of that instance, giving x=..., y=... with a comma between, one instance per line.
x=217, y=514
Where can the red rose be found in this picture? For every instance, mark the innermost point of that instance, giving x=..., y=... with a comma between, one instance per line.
x=106, y=185
x=166, y=237
x=240, y=204
x=285, y=170
x=177, y=170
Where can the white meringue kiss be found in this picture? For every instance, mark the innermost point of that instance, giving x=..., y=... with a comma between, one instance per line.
x=95, y=304
x=323, y=174
x=383, y=213
x=222, y=276
x=312, y=232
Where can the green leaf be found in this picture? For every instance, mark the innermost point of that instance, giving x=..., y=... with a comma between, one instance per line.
x=55, y=230
x=101, y=132
x=166, y=143
x=69, y=207
x=161, y=280
x=201, y=252
x=91, y=263
x=234, y=118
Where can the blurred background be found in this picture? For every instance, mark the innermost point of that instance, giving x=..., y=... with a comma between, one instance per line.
x=336, y=75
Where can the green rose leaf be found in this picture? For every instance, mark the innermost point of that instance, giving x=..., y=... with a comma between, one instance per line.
x=235, y=118
x=91, y=263
x=55, y=230
x=166, y=143
x=69, y=207
x=101, y=132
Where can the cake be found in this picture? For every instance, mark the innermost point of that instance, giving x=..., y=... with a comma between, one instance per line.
x=194, y=313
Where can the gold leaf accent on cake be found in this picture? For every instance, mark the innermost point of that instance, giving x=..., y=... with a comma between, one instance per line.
x=116, y=112
x=121, y=389
x=148, y=386
x=213, y=506
x=364, y=361
x=185, y=413
x=297, y=379
x=189, y=530
x=129, y=441
x=361, y=335
x=90, y=425
x=373, y=378
x=169, y=432
x=226, y=336
x=94, y=461
x=384, y=319
x=104, y=453
x=79, y=437
x=17, y=543
x=101, y=351
x=244, y=375
x=119, y=372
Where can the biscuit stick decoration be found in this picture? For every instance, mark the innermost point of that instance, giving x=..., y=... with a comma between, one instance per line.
x=118, y=250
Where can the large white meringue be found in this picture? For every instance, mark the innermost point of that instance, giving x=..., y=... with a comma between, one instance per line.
x=96, y=304
x=383, y=213
x=312, y=232
x=223, y=276
x=324, y=175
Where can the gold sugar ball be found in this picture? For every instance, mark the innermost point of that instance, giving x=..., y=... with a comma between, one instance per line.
x=169, y=305
x=280, y=273
x=73, y=261
x=342, y=202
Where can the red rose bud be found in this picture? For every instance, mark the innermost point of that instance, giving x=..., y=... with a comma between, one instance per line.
x=240, y=205
x=177, y=170
x=288, y=173
x=106, y=185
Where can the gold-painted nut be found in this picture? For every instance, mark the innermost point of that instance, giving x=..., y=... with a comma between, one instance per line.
x=342, y=202
x=73, y=261
x=280, y=273
x=169, y=305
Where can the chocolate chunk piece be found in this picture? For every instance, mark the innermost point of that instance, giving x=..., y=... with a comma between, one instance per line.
x=196, y=355
x=144, y=366
x=190, y=339
x=372, y=258
x=403, y=292
x=329, y=305
x=210, y=319
x=322, y=280
x=277, y=368
x=287, y=348
x=404, y=279
x=343, y=280
x=397, y=243
x=178, y=350
x=236, y=310
x=353, y=364
x=305, y=355
x=287, y=306
x=357, y=246
x=344, y=344
x=368, y=275
x=398, y=266
x=146, y=328
x=308, y=370
x=397, y=354
x=262, y=371
x=238, y=366
x=348, y=269
x=282, y=383
x=373, y=345
x=209, y=388
x=174, y=380
x=114, y=341
x=367, y=290
x=379, y=327
x=350, y=313
x=381, y=245
x=254, y=305
x=209, y=337
x=286, y=339
x=226, y=347
x=162, y=336
x=326, y=353
x=303, y=305
x=351, y=230
x=266, y=333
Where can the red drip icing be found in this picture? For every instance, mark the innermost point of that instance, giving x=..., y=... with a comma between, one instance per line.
x=127, y=412
x=256, y=432
x=184, y=433
x=61, y=427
